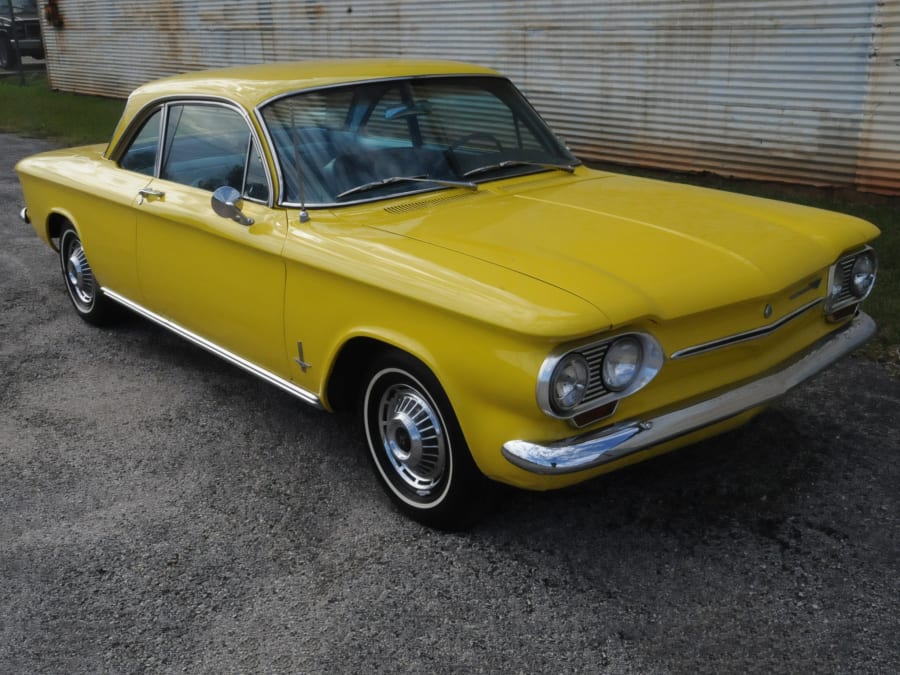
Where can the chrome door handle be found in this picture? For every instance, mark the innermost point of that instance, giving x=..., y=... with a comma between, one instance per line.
x=149, y=193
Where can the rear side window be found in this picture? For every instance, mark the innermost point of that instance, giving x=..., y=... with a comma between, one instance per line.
x=141, y=154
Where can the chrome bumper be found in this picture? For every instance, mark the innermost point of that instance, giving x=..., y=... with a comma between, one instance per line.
x=23, y=214
x=607, y=445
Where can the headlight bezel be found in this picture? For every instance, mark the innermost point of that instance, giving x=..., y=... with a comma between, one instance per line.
x=842, y=291
x=596, y=394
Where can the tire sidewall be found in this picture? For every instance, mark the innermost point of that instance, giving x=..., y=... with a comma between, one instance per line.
x=379, y=380
x=68, y=239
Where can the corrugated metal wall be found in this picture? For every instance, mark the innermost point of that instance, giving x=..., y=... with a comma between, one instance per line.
x=797, y=90
x=878, y=150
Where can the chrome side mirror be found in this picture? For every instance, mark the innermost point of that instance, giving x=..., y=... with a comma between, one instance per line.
x=225, y=203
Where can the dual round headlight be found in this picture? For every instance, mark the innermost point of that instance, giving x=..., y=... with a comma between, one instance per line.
x=569, y=382
x=597, y=373
x=862, y=276
x=622, y=363
x=851, y=280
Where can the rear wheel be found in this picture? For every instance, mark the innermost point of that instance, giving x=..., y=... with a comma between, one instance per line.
x=84, y=291
x=416, y=445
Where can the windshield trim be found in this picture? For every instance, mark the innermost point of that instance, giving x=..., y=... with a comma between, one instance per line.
x=529, y=171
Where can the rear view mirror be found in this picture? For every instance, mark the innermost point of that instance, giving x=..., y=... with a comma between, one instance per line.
x=225, y=203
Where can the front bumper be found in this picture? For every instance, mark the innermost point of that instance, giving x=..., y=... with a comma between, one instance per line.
x=625, y=438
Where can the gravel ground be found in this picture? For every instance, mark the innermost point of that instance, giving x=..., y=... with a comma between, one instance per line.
x=161, y=511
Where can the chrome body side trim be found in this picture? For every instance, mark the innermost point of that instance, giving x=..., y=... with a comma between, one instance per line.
x=729, y=340
x=626, y=438
x=291, y=388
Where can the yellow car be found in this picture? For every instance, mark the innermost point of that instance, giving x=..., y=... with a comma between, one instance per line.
x=410, y=239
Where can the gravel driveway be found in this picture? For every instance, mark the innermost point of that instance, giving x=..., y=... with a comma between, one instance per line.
x=161, y=511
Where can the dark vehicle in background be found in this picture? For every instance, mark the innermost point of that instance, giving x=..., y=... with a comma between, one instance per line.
x=20, y=32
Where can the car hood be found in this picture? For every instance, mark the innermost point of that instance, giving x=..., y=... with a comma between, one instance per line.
x=636, y=247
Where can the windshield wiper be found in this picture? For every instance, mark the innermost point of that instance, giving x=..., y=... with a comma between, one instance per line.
x=568, y=168
x=408, y=179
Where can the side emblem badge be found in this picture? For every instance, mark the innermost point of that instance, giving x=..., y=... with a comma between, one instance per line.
x=767, y=312
x=304, y=366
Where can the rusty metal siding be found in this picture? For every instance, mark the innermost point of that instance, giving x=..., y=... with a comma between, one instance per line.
x=796, y=90
x=878, y=164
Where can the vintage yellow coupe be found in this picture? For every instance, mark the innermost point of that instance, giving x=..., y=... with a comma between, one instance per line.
x=411, y=239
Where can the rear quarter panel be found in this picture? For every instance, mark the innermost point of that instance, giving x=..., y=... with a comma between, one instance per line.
x=98, y=198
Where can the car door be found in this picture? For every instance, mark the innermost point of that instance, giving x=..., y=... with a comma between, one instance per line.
x=221, y=279
x=107, y=218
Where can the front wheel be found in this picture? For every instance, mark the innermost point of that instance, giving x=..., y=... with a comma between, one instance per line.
x=416, y=445
x=84, y=291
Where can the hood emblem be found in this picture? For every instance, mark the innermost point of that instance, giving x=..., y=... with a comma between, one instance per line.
x=767, y=312
x=811, y=286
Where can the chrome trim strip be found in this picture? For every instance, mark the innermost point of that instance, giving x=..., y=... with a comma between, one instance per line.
x=368, y=200
x=626, y=438
x=811, y=286
x=746, y=335
x=234, y=359
x=352, y=81
x=160, y=142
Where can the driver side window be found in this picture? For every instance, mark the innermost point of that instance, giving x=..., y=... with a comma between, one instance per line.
x=205, y=146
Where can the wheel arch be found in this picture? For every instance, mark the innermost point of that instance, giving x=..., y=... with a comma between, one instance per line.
x=56, y=220
x=350, y=364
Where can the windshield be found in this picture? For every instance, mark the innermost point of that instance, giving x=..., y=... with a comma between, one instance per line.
x=370, y=141
x=21, y=6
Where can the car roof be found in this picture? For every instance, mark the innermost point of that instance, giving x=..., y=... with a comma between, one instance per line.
x=257, y=83
x=252, y=85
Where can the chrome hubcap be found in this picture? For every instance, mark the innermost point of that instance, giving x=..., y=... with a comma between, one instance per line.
x=79, y=275
x=413, y=437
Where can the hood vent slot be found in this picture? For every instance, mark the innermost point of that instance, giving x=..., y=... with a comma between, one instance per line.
x=428, y=203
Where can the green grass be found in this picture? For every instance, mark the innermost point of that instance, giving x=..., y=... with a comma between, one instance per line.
x=33, y=109
x=70, y=119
